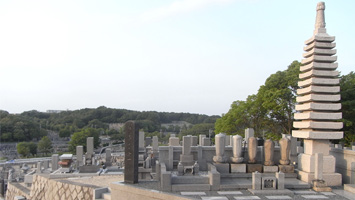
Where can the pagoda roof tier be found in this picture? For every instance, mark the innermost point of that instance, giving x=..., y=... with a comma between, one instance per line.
x=318, y=51
x=318, y=97
x=319, y=73
x=318, y=106
x=318, y=65
x=318, y=125
x=309, y=134
x=318, y=116
x=321, y=45
x=319, y=89
x=319, y=81
x=318, y=58
x=321, y=37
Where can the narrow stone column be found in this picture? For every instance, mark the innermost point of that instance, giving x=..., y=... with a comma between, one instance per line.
x=79, y=155
x=237, y=149
x=285, y=145
x=269, y=147
x=131, y=153
x=318, y=166
x=252, y=150
x=220, y=147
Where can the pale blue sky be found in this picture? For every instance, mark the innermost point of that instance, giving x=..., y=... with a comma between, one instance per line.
x=194, y=56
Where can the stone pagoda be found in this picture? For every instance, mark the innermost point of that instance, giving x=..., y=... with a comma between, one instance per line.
x=318, y=109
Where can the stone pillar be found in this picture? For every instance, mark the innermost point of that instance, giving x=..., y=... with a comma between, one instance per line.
x=79, y=155
x=170, y=163
x=237, y=149
x=90, y=145
x=108, y=157
x=285, y=151
x=186, y=158
x=194, y=140
x=201, y=139
x=141, y=140
x=318, y=166
x=256, y=181
x=174, y=141
x=252, y=150
x=155, y=143
x=249, y=132
x=220, y=147
x=46, y=164
x=227, y=140
x=269, y=147
x=131, y=153
x=280, y=176
x=39, y=167
x=55, y=159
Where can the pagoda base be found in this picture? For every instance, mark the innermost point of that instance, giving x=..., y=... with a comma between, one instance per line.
x=331, y=179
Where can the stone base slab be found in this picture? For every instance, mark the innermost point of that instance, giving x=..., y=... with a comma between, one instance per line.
x=254, y=167
x=222, y=167
x=349, y=188
x=89, y=169
x=271, y=192
x=331, y=179
x=270, y=169
x=238, y=168
x=287, y=168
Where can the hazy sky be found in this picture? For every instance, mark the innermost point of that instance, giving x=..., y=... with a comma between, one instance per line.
x=194, y=56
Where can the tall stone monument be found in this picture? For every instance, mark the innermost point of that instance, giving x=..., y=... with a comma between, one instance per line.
x=131, y=153
x=318, y=103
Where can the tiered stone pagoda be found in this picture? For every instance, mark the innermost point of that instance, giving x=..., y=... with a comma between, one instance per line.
x=318, y=105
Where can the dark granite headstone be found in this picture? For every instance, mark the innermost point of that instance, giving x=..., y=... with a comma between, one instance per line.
x=131, y=153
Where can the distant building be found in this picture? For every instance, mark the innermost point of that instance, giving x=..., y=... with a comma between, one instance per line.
x=54, y=111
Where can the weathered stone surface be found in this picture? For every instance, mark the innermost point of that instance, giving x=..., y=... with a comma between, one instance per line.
x=254, y=168
x=220, y=147
x=131, y=153
x=270, y=169
x=285, y=146
x=287, y=168
x=79, y=155
x=90, y=145
x=174, y=141
x=252, y=150
x=238, y=168
x=269, y=147
x=237, y=149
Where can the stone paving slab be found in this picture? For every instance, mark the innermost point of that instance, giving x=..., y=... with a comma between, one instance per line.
x=278, y=197
x=229, y=192
x=246, y=197
x=328, y=193
x=214, y=198
x=314, y=197
x=193, y=193
x=304, y=192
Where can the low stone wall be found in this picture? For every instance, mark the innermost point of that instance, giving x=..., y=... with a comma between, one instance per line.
x=345, y=164
x=44, y=188
x=16, y=189
x=121, y=191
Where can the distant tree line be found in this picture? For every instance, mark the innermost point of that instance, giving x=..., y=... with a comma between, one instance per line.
x=33, y=125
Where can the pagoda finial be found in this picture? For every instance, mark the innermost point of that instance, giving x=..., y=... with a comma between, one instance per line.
x=320, y=21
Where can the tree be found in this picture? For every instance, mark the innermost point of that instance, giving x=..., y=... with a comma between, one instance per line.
x=79, y=139
x=23, y=149
x=271, y=109
x=45, y=145
x=347, y=91
x=26, y=148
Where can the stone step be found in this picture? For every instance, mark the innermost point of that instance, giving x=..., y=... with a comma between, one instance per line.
x=235, y=186
x=190, y=180
x=106, y=196
x=190, y=187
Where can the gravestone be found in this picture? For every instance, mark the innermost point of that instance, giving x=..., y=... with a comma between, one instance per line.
x=269, y=148
x=194, y=141
x=55, y=160
x=141, y=140
x=148, y=141
x=79, y=155
x=131, y=153
x=252, y=151
x=237, y=166
x=206, y=141
x=186, y=158
x=108, y=157
x=155, y=143
x=201, y=139
x=90, y=145
x=174, y=141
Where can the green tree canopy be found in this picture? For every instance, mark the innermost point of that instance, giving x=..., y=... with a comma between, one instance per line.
x=45, y=145
x=79, y=139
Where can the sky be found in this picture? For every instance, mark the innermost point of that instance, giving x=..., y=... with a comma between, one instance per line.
x=195, y=56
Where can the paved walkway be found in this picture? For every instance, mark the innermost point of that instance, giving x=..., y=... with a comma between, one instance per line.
x=245, y=194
